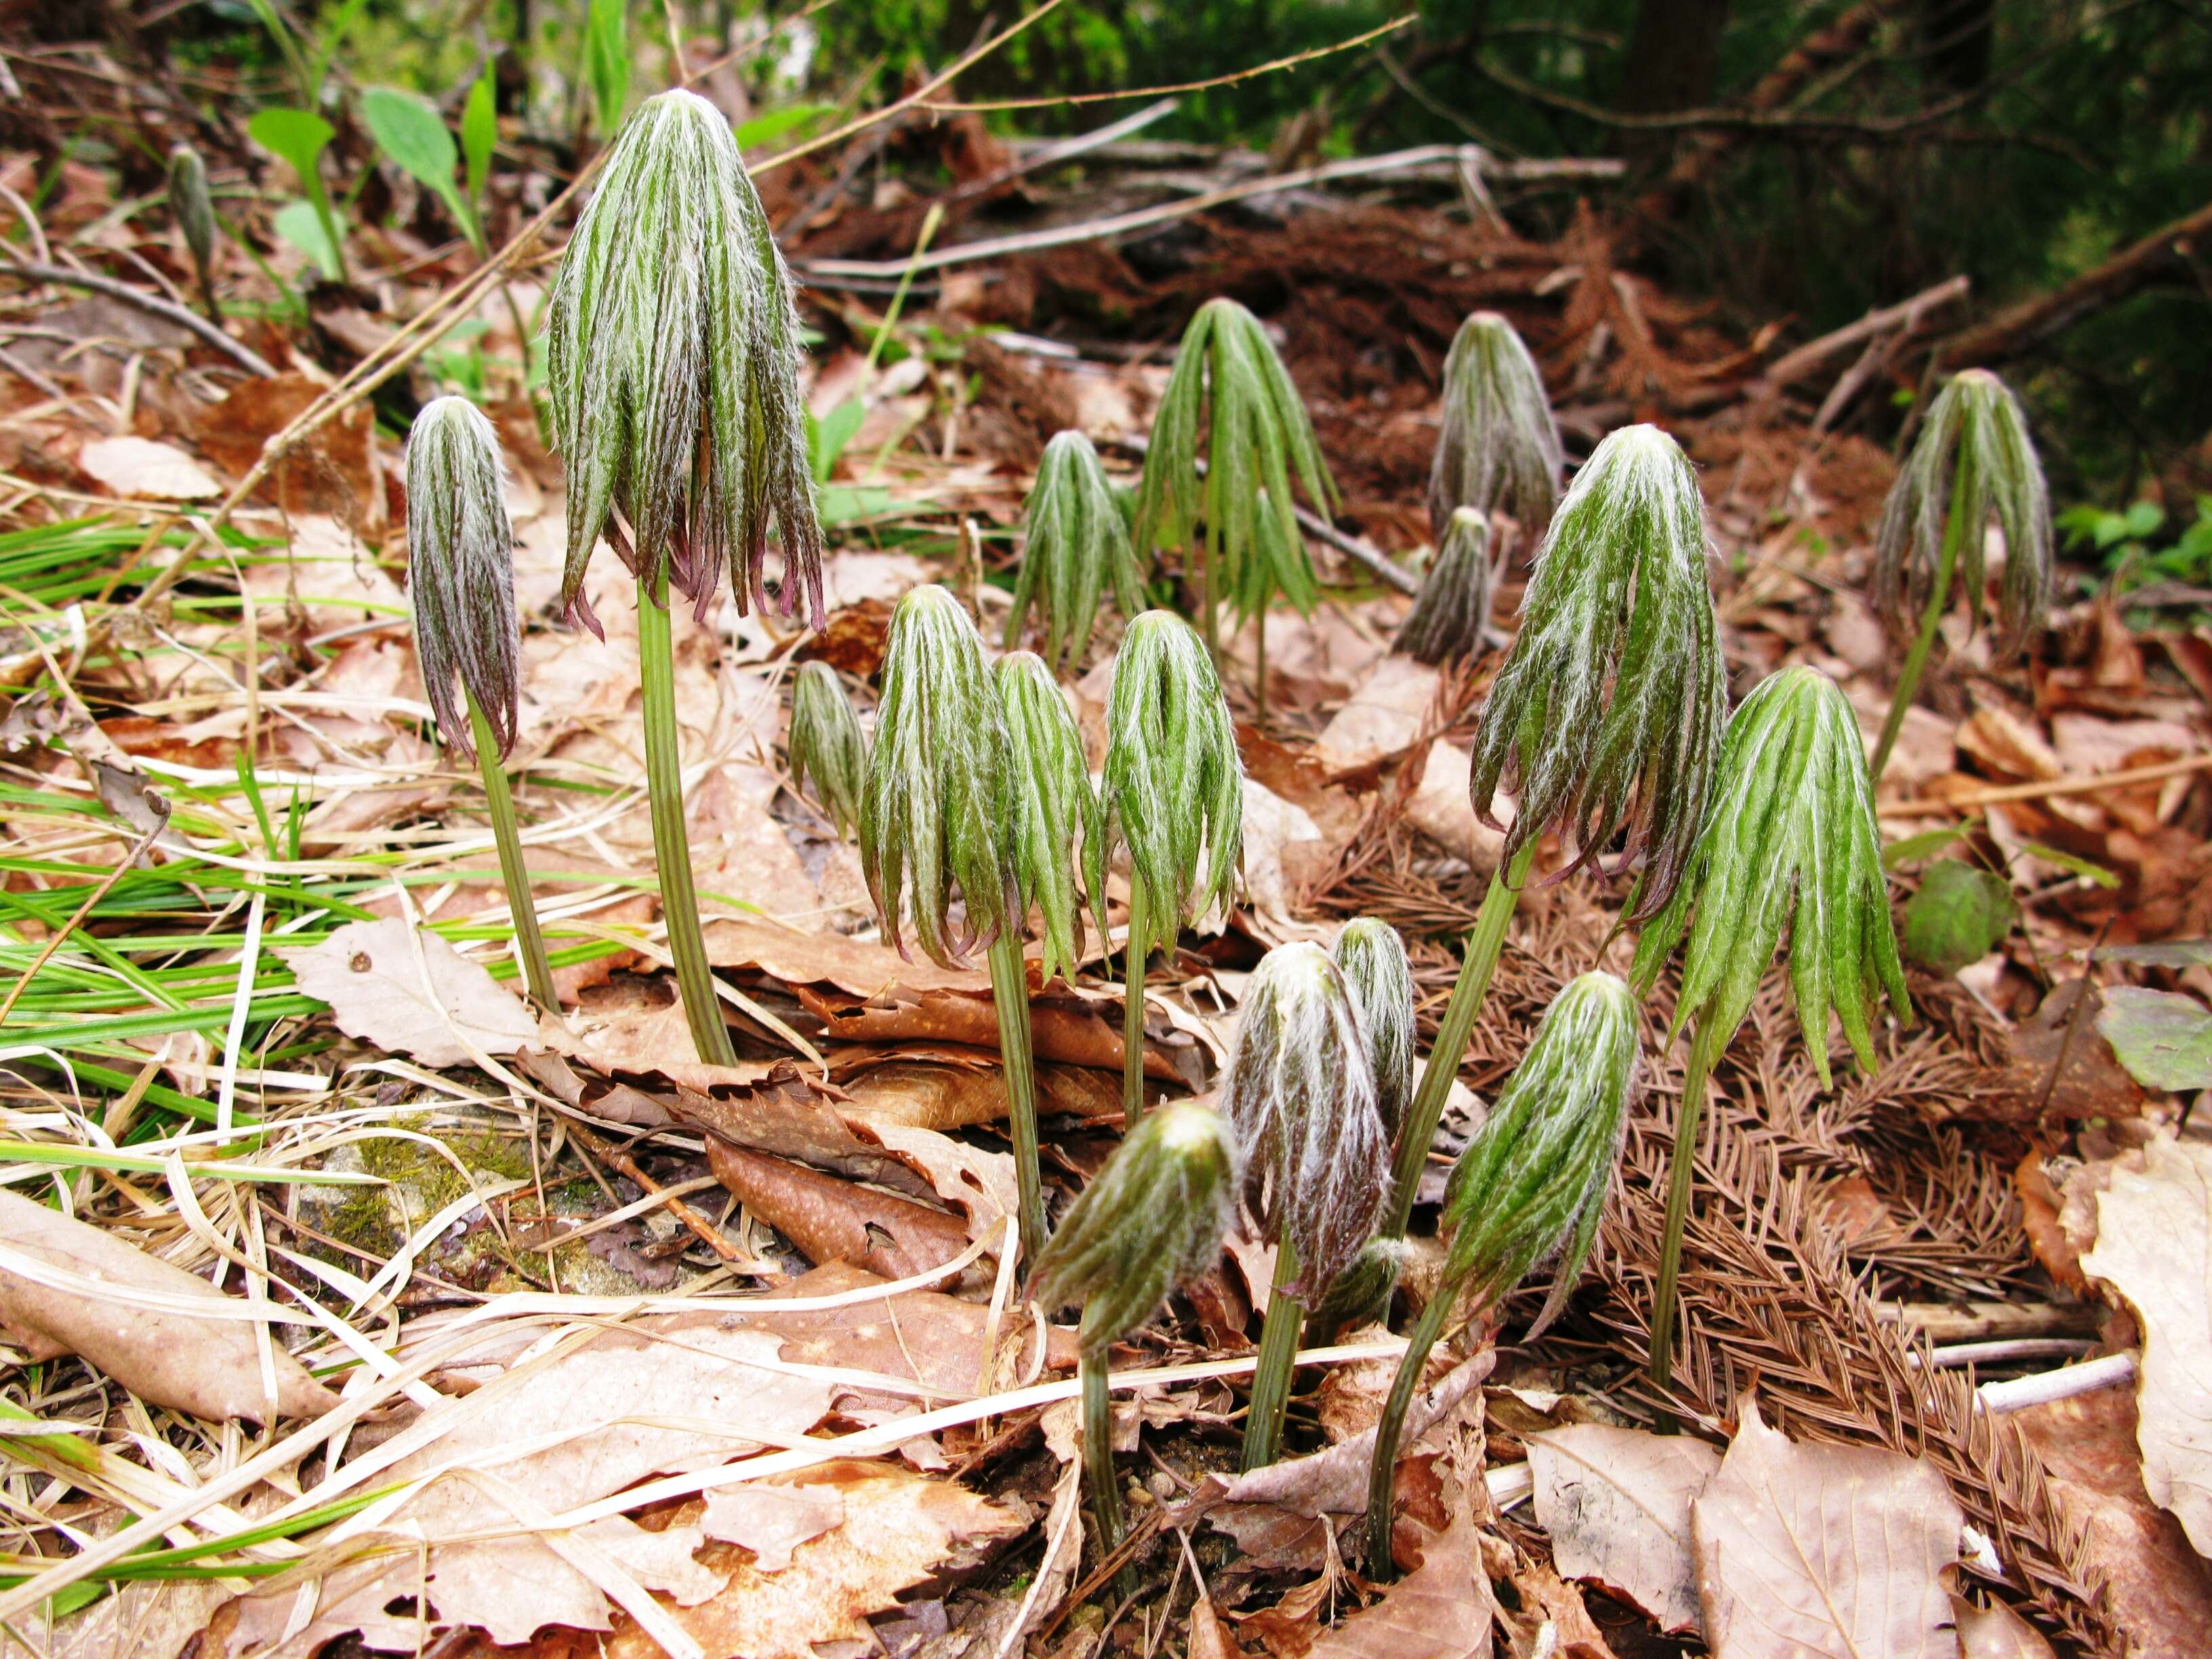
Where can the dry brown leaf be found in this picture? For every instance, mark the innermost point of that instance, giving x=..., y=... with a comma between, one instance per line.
x=1209, y=1636
x=1384, y=717
x=771, y=1519
x=866, y=969
x=832, y=1219
x=1441, y=809
x=931, y=1339
x=1997, y=1632
x=899, y=1528
x=1283, y=846
x=598, y=1413
x=1617, y=1504
x=2158, y=1591
x=1824, y=1552
x=1068, y=1032
x=963, y=1090
x=2009, y=745
x=438, y=1007
x=2154, y=1240
x=1441, y=1610
x=210, y=1367
x=645, y=1038
x=139, y=466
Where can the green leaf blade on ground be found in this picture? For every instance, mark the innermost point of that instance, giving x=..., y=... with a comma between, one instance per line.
x=412, y=134
x=1961, y=914
x=2165, y=1040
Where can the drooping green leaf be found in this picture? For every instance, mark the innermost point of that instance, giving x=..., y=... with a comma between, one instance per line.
x=1962, y=913
x=479, y=134
x=2165, y=1040
x=412, y=134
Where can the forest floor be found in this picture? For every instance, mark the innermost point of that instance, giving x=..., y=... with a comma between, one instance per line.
x=603, y=1350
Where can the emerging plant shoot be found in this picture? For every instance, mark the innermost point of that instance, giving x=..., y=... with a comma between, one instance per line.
x=1075, y=544
x=1972, y=462
x=460, y=563
x=1453, y=607
x=1498, y=448
x=1792, y=842
x=1229, y=388
x=671, y=356
x=194, y=209
x=1606, y=716
x=1300, y=1093
x=829, y=752
x=934, y=828
x=1530, y=1188
x=1174, y=798
x=1152, y=1220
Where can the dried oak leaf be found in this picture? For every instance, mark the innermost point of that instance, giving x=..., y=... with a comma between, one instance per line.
x=1824, y=1552
x=899, y=1529
x=2154, y=1238
x=440, y=1008
x=832, y=1219
x=1441, y=1610
x=210, y=1367
x=1616, y=1503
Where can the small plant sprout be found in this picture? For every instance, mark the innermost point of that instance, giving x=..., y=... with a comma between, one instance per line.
x=1372, y=959
x=1053, y=816
x=1972, y=462
x=460, y=563
x=1150, y=1221
x=1530, y=1188
x=1229, y=386
x=1075, y=545
x=1174, y=798
x=194, y=209
x=828, y=751
x=672, y=384
x=1606, y=716
x=934, y=830
x=1299, y=1089
x=1453, y=607
x=1498, y=449
x=1791, y=843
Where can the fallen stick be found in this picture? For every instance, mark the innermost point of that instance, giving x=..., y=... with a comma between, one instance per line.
x=244, y=356
x=1360, y=167
x=1794, y=365
x=1928, y=805
x=2017, y=1393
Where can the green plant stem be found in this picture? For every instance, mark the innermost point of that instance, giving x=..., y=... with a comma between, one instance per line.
x=1271, y=1375
x=1915, y=660
x=672, y=842
x=1132, y=1010
x=1703, y=1047
x=1098, y=1454
x=1382, y=1474
x=1485, y=940
x=1010, y=994
x=499, y=803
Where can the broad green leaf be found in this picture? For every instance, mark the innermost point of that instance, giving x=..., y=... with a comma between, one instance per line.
x=298, y=223
x=766, y=129
x=410, y=132
x=479, y=133
x=1915, y=849
x=2164, y=953
x=2165, y=1040
x=1958, y=916
x=606, y=62
x=298, y=137
x=2083, y=867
